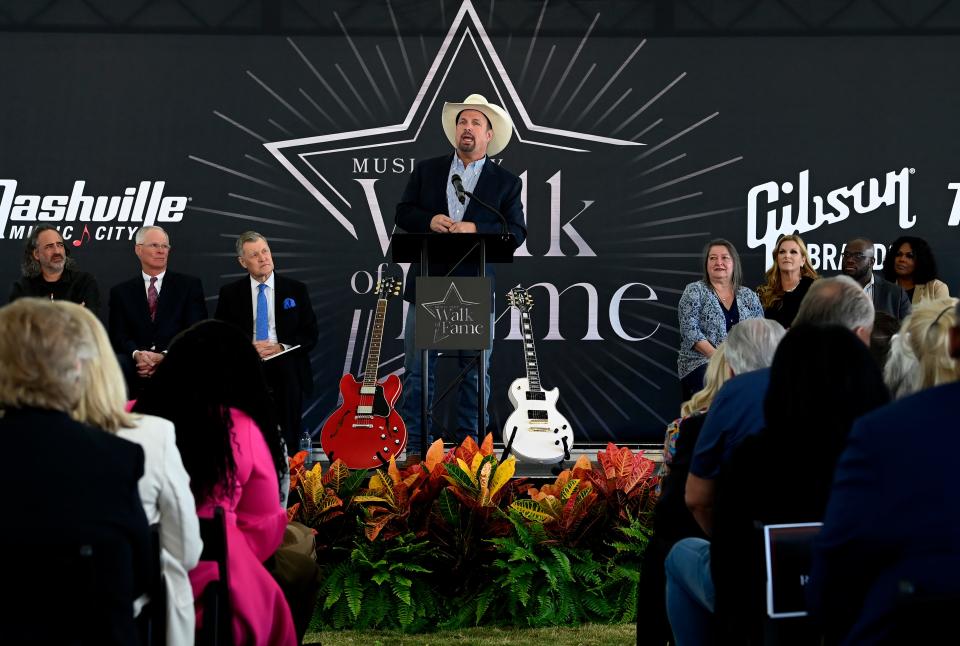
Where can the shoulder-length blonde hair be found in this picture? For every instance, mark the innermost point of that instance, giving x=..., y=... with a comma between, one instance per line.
x=718, y=372
x=772, y=291
x=42, y=349
x=928, y=333
x=103, y=401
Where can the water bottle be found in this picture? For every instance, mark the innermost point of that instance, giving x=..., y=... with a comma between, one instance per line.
x=306, y=444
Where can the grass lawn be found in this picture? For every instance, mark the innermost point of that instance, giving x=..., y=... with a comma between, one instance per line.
x=587, y=635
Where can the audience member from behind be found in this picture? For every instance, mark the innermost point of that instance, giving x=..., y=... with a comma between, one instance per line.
x=787, y=280
x=891, y=529
x=911, y=265
x=671, y=518
x=64, y=485
x=928, y=331
x=49, y=272
x=165, y=485
x=736, y=412
x=838, y=301
x=858, y=259
x=707, y=311
x=901, y=373
x=783, y=474
x=211, y=386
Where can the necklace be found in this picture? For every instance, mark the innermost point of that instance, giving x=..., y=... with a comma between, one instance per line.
x=723, y=301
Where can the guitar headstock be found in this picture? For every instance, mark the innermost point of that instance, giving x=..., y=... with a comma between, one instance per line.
x=387, y=287
x=520, y=298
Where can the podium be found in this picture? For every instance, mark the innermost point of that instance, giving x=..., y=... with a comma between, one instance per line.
x=452, y=249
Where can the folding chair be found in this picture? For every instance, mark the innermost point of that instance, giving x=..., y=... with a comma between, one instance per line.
x=217, y=628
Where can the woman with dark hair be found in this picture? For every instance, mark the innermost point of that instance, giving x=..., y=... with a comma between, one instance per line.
x=781, y=475
x=708, y=309
x=911, y=265
x=211, y=386
x=787, y=280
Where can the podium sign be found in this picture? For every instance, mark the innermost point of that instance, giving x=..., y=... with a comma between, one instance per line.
x=453, y=313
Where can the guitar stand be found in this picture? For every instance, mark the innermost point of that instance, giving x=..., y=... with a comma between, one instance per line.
x=508, y=446
x=558, y=467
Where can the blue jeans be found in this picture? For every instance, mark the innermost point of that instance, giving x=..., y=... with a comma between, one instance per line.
x=690, y=594
x=409, y=407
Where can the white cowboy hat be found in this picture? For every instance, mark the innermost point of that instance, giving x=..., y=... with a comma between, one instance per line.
x=499, y=119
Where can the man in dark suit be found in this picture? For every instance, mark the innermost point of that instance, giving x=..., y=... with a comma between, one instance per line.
x=277, y=313
x=147, y=311
x=430, y=203
x=88, y=503
x=891, y=523
x=858, y=255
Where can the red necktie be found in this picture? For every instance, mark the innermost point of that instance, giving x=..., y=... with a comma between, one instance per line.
x=152, y=298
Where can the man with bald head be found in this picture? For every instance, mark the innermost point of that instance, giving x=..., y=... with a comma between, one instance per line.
x=858, y=259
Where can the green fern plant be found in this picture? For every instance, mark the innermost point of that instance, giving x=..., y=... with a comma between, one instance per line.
x=380, y=584
x=537, y=581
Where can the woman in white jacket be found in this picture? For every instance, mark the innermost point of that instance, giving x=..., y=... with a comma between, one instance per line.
x=165, y=485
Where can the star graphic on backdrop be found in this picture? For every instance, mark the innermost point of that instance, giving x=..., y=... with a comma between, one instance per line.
x=452, y=302
x=300, y=156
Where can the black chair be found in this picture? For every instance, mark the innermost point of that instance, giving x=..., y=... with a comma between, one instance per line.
x=89, y=584
x=152, y=620
x=217, y=628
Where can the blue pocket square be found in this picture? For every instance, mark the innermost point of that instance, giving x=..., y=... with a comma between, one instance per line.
x=289, y=303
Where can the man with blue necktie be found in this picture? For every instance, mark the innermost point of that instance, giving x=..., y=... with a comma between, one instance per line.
x=277, y=313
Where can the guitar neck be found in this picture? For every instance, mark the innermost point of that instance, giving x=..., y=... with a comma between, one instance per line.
x=530, y=353
x=373, y=355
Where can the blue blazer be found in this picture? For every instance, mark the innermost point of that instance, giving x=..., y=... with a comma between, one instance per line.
x=892, y=516
x=426, y=196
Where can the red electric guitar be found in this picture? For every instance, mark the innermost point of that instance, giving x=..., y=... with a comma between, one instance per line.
x=366, y=430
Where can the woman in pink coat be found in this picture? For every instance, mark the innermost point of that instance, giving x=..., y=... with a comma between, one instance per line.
x=211, y=386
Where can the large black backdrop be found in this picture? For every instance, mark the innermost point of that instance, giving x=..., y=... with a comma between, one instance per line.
x=616, y=228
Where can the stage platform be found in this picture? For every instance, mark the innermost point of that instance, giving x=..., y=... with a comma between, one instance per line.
x=535, y=471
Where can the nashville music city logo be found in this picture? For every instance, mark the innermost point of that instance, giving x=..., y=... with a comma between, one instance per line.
x=81, y=217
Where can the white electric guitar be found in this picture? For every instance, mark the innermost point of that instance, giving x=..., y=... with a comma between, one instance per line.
x=538, y=432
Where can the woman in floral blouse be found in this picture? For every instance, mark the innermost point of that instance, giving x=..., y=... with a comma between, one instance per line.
x=708, y=309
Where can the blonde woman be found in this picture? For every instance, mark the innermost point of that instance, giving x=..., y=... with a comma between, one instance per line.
x=165, y=486
x=672, y=520
x=787, y=280
x=927, y=331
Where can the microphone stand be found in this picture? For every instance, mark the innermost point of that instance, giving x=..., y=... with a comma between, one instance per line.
x=504, y=229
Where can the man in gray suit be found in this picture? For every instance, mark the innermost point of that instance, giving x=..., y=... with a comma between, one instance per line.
x=858, y=257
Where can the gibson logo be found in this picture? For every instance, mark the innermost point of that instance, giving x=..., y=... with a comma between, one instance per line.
x=835, y=208
x=144, y=205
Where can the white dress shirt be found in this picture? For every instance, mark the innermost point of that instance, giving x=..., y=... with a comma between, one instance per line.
x=146, y=281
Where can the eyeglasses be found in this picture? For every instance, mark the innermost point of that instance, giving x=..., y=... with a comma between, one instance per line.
x=156, y=246
x=905, y=254
x=857, y=255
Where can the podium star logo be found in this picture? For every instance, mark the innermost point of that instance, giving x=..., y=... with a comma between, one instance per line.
x=444, y=309
x=302, y=157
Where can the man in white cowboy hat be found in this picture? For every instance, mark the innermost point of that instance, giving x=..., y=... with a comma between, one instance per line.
x=476, y=129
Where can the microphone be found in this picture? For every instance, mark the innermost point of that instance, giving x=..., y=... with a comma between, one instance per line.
x=458, y=187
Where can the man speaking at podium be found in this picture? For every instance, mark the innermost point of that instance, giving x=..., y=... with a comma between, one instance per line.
x=434, y=201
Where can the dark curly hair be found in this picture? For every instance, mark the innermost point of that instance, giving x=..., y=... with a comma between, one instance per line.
x=925, y=265
x=209, y=369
